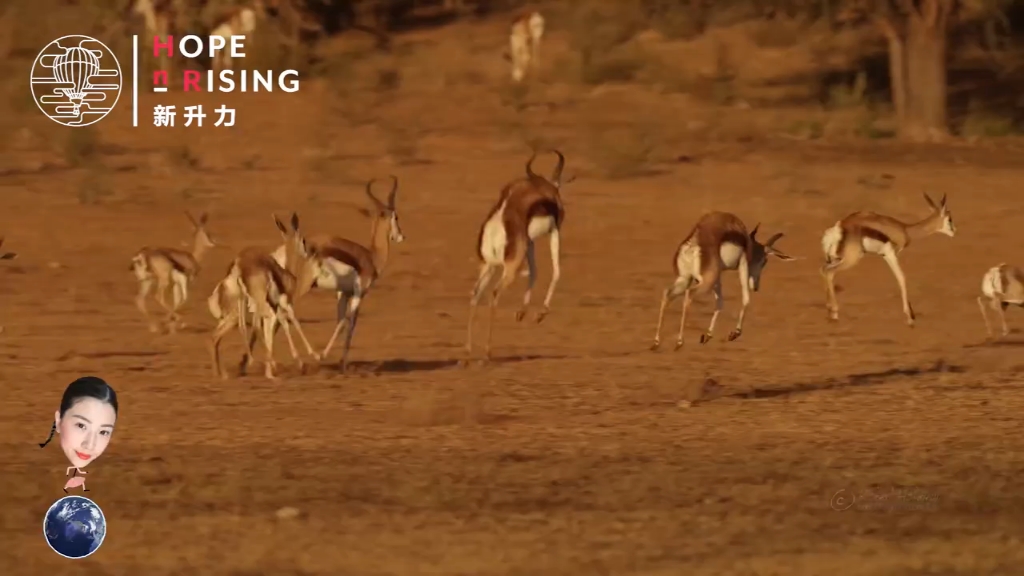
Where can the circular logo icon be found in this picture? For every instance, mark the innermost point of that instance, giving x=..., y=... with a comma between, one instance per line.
x=842, y=501
x=74, y=527
x=76, y=80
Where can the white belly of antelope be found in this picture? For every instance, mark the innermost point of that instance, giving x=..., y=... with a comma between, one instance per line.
x=539, y=226
x=338, y=276
x=730, y=255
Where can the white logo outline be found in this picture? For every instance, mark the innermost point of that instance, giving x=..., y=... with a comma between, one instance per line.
x=83, y=90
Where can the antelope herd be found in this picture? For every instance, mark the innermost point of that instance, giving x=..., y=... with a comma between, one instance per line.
x=260, y=288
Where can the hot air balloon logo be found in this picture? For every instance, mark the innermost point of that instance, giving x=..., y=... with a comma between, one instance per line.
x=76, y=80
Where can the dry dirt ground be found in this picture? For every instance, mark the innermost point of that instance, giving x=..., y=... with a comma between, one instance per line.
x=570, y=454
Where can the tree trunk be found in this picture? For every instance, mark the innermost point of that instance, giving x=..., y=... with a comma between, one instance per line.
x=917, y=71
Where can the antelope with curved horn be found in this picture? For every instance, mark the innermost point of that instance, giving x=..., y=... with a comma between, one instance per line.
x=170, y=267
x=351, y=269
x=257, y=285
x=1002, y=286
x=718, y=242
x=860, y=233
x=6, y=256
x=527, y=209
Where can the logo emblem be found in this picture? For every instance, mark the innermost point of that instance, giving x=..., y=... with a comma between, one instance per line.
x=76, y=80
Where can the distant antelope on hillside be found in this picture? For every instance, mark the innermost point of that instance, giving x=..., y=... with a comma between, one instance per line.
x=1002, y=286
x=6, y=256
x=860, y=233
x=351, y=269
x=158, y=17
x=524, y=44
x=718, y=242
x=239, y=21
x=170, y=267
x=527, y=209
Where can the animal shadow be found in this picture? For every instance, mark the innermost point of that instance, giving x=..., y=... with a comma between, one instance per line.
x=109, y=354
x=850, y=381
x=405, y=365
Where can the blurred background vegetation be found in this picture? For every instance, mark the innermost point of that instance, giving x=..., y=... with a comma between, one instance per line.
x=830, y=60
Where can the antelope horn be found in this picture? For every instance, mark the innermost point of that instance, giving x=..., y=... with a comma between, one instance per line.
x=369, y=192
x=529, y=165
x=394, y=191
x=773, y=239
x=556, y=176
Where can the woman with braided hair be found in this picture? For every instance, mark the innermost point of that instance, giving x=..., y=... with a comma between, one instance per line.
x=85, y=423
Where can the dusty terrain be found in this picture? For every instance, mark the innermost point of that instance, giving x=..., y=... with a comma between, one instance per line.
x=570, y=454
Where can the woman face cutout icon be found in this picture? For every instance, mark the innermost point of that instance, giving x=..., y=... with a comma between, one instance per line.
x=85, y=420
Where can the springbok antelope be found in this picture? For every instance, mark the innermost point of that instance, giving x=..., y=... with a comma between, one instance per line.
x=256, y=284
x=240, y=20
x=860, y=233
x=524, y=44
x=351, y=269
x=158, y=16
x=6, y=256
x=527, y=209
x=718, y=242
x=170, y=267
x=1001, y=286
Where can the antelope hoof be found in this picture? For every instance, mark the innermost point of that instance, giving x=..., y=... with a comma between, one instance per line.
x=154, y=328
x=705, y=338
x=520, y=314
x=655, y=346
x=223, y=375
x=541, y=315
x=315, y=356
x=679, y=344
x=735, y=334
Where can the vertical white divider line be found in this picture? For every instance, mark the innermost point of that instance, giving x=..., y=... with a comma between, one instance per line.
x=135, y=81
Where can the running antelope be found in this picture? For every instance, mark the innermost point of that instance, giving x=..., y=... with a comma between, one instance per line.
x=238, y=21
x=524, y=44
x=351, y=269
x=257, y=285
x=527, y=209
x=170, y=267
x=718, y=242
x=6, y=256
x=1001, y=286
x=860, y=233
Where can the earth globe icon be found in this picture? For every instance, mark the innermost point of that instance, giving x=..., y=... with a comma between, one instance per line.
x=74, y=527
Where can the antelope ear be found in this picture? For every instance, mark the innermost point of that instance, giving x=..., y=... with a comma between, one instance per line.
x=943, y=201
x=782, y=256
x=753, y=233
x=930, y=202
x=280, y=225
x=202, y=219
x=295, y=221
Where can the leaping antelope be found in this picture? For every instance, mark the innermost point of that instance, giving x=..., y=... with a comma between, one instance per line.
x=351, y=269
x=240, y=20
x=524, y=44
x=860, y=233
x=718, y=242
x=170, y=267
x=527, y=209
x=1001, y=286
x=6, y=256
x=257, y=285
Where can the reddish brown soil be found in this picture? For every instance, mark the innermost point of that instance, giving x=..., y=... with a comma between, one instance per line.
x=571, y=454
